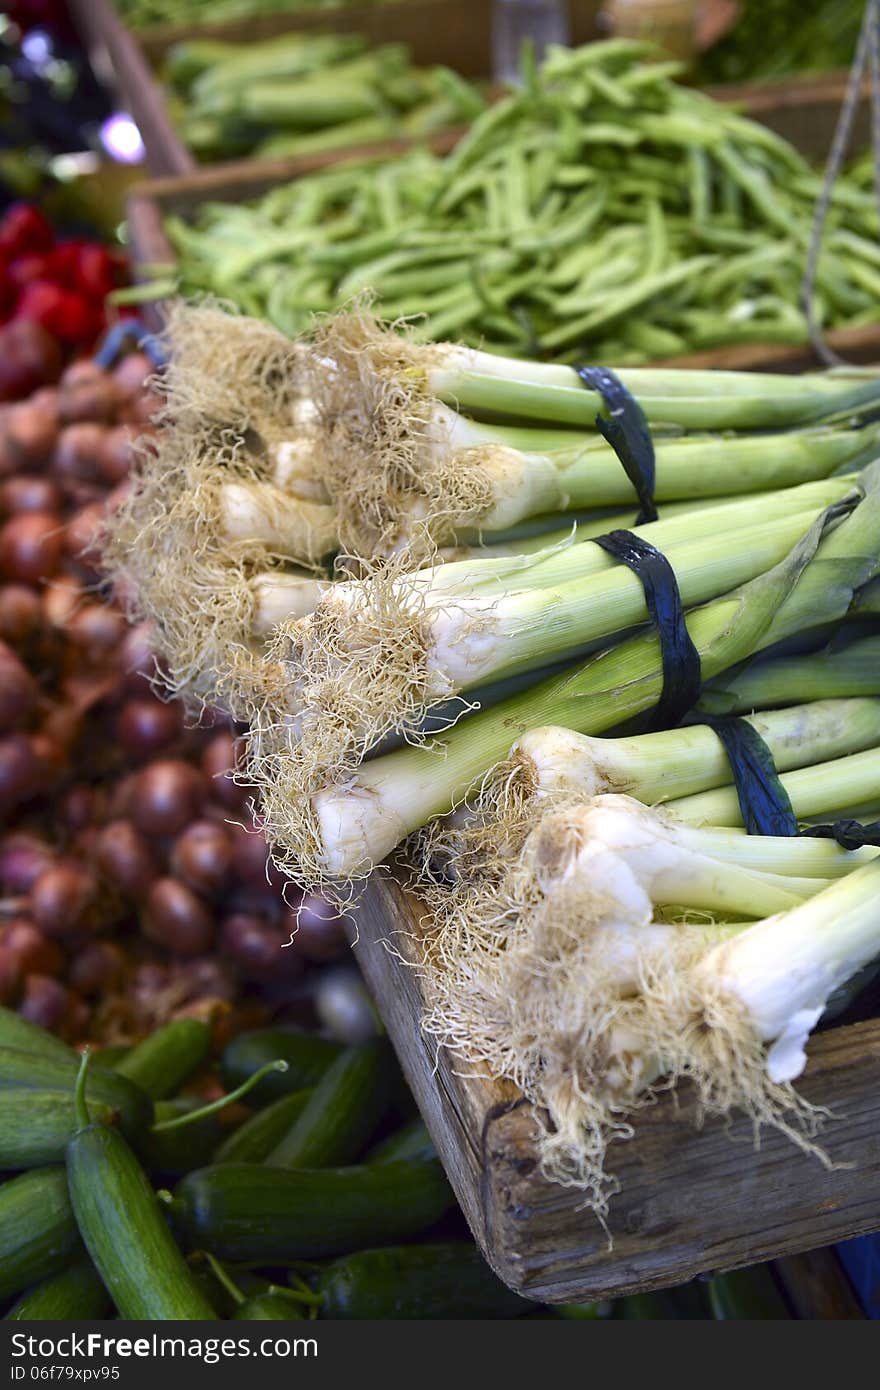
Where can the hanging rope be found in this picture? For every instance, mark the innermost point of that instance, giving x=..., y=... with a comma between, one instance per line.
x=867, y=51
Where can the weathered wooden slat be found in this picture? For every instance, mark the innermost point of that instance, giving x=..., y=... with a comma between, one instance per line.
x=691, y=1201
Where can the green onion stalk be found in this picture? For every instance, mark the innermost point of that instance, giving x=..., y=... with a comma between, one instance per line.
x=334, y=833
x=435, y=438
x=579, y=986
x=377, y=654
x=831, y=744
x=838, y=668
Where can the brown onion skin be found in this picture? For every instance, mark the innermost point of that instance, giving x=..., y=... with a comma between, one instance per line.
x=82, y=533
x=258, y=950
x=10, y=977
x=29, y=358
x=126, y=858
x=94, y=398
x=28, y=493
x=115, y=455
x=146, y=726
x=177, y=919
x=31, y=432
x=44, y=1001
x=318, y=933
x=221, y=755
x=77, y=456
x=251, y=859
x=20, y=772
x=31, y=547
x=136, y=661
x=166, y=796
x=96, y=629
x=23, y=857
x=66, y=899
x=79, y=807
x=132, y=372
x=21, y=614
x=202, y=857
x=98, y=968
x=18, y=690
x=31, y=948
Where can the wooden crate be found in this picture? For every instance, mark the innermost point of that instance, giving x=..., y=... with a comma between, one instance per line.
x=804, y=111
x=457, y=33
x=691, y=1201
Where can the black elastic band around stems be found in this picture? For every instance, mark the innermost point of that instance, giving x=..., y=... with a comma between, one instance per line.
x=626, y=430
x=682, y=674
x=763, y=800
x=849, y=834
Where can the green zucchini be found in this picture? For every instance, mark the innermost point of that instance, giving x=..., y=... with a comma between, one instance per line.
x=125, y=1231
x=36, y=1126
x=307, y=1058
x=74, y=1295
x=259, y=1134
x=343, y=1111
x=249, y=1211
x=38, y=1232
x=16, y=1031
x=26, y=1071
x=170, y=1153
x=448, y=1280
x=412, y=1141
x=167, y=1058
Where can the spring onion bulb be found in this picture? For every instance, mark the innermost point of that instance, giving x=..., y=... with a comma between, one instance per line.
x=336, y=832
x=629, y=996
x=398, y=448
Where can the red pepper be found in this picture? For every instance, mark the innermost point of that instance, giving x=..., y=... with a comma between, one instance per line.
x=41, y=301
x=95, y=271
x=28, y=267
x=64, y=313
x=24, y=228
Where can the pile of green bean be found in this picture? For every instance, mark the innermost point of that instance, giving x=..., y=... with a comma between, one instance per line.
x=301, y=93
x=148, y=14
x=602, y=210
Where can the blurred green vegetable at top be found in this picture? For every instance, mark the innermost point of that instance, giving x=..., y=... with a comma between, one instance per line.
x=773, y=38
x=148, y=14
x=301, y=92
x=601, y=212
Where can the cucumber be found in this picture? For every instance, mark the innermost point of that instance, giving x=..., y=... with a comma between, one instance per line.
x=36, y=1126
x=249, y=1211
x=267, y=1305
x=343, y=1111
x=412, y=1141
x=125, y=1231
x=75, y=1295
x=170, y=1153
x=16, y=1031
x=307, y=1059
x=444, y=1280
x=259, y=1134
x=26, y=1071
x=167, y=1058
x=38, y=1233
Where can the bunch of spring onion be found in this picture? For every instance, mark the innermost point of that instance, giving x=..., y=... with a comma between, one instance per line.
x=277, y=456
x=620, y=950
x=333, y=815
x=599, y=212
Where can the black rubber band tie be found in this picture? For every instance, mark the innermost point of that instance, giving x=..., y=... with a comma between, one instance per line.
x=682, y=673
x=626, y=430
x=763, y=800
x=849, y=834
